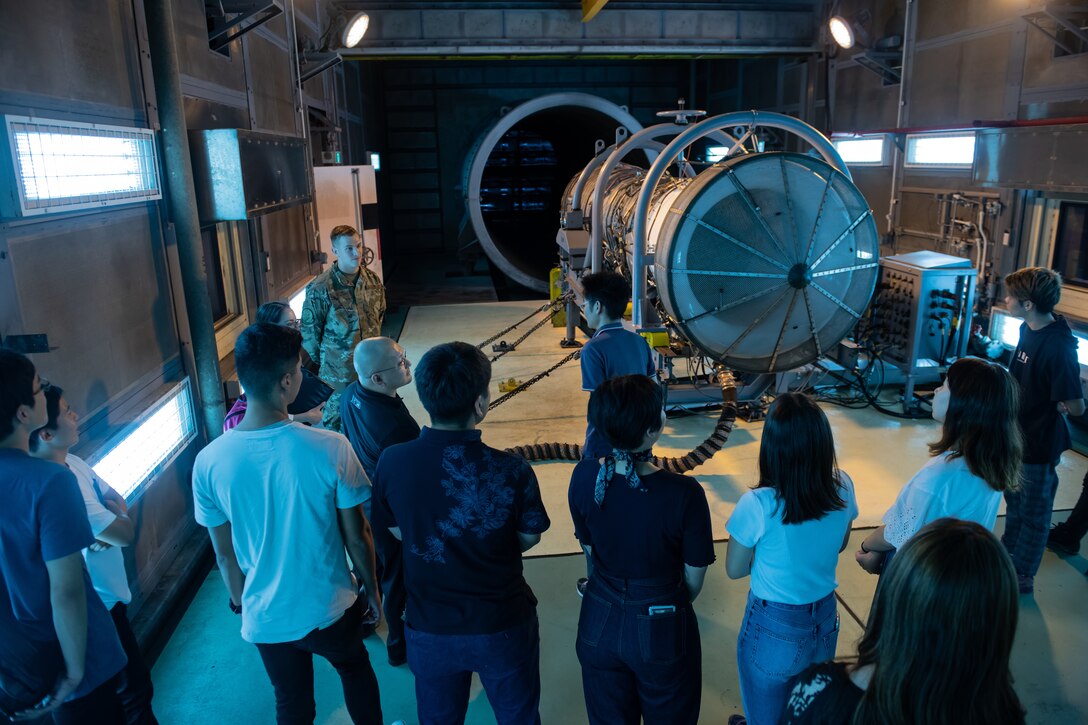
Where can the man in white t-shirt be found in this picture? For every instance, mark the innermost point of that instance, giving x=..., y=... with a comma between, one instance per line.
x=107, y=513
x=282, y=501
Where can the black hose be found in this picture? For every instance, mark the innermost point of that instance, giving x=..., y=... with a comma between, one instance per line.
x=699, y=455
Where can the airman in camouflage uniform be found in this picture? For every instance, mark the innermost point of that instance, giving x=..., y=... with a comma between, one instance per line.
x=344, y=304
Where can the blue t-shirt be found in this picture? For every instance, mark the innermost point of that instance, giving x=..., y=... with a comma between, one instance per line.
x=43, y=519
x=459, y=505
x=611, y=352
x=648, y=532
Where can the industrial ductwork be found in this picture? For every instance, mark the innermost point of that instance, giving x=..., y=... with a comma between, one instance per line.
x=515, y=174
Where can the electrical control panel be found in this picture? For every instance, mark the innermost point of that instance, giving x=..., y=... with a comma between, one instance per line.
x=921, y=316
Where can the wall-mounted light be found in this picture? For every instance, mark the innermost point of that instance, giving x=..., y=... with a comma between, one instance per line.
x=841, y=31
x=355, y=29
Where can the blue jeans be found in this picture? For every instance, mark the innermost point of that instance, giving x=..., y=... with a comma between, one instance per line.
x=1027, y=516
x=638, y=663
x=508, y=663
x=778, y=641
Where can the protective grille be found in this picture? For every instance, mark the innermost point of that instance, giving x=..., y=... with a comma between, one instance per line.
x=768, y=261
x=61, y=166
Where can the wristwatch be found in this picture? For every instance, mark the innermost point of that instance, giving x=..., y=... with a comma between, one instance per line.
x=236, y=608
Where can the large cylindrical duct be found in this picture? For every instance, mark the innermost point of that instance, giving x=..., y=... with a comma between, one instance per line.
x=763, y=261
x=516, y=173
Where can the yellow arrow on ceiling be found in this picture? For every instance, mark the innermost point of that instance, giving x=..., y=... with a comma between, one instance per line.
x=590, y=8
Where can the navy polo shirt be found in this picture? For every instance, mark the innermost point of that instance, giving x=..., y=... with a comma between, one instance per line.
x=373, y=422
x=459, y=505
x=611, y=352
x=648, y=532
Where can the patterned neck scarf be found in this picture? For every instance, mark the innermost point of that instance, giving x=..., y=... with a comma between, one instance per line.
x=608, y=470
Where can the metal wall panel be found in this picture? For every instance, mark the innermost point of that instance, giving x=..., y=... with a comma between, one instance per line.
x=97, y=286
x=959, y=83
x=1048, y=159
x=286, y=236
x=196, y=58
x=861, y=102
x=273, y=99
x=76, y=51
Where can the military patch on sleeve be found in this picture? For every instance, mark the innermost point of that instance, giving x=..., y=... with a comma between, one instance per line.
x=307, y=316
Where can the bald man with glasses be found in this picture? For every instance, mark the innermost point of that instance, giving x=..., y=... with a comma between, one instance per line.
x=374, y=417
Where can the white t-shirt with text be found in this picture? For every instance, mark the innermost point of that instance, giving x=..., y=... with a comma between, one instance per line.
x=794, y=563
x=279, y=488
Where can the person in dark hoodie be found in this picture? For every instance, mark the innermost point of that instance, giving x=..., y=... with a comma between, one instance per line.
x=1045, y=364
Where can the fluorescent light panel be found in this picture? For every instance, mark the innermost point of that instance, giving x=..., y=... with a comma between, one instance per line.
x=61, y=165
x=950, y=150
x=132, y=460
x=864, y=151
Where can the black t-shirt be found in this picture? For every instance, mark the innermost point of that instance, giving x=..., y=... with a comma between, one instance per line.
x=1045, y=364
x=373, y=422
x=645, y=532
x=822, y=695
x=460, y=506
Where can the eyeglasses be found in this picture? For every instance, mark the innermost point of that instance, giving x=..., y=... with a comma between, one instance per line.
x=294, y=324
x=402, y=363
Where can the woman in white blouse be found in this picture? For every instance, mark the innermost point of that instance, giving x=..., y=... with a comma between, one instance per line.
x=976, y=460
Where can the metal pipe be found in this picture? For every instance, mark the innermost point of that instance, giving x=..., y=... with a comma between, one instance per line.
x=901, y=113
x=645, y=139
x=181, y=210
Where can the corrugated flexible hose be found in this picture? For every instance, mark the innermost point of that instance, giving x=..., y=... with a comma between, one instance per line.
x=693, y=458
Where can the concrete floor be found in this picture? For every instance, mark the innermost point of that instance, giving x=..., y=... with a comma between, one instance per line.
x=208, y=674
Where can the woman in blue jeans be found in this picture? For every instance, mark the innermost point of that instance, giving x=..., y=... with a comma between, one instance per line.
x=787, y=534
x=648, y=534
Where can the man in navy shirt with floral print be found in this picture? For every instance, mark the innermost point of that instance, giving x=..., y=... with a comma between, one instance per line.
x=464, y=512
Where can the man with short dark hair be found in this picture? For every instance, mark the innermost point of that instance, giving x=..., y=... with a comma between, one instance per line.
x=613, y=350
x=464, y=512
x=56, y=637
x=374, y=418
x=282, y=501
x=1045, y=364
x=107, y=512
x=344, y=304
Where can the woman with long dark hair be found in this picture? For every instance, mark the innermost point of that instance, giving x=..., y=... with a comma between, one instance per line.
x=936, y=649
x=648, y=534
x=976, y=460
x=787, y=533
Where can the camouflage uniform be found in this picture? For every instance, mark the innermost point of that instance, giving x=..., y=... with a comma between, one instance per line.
x=339, y=312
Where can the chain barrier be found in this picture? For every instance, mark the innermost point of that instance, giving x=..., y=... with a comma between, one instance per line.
x=533, y=380
x=556, y=304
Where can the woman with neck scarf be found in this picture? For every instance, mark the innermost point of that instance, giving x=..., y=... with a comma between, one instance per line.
x=787, y=534
x=648, y=534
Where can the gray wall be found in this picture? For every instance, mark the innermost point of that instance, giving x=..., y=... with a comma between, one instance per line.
x=104, y=285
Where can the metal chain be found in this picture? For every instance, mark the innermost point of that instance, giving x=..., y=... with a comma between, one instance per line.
x=511, y=347
x=534, y=380
x=556, y=303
